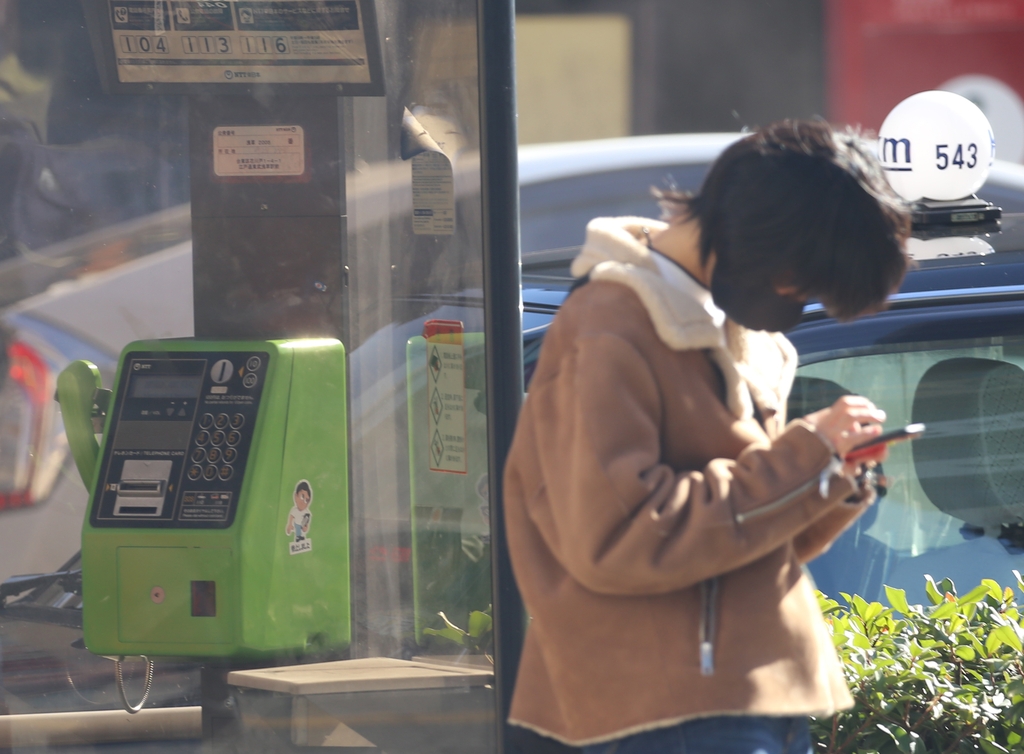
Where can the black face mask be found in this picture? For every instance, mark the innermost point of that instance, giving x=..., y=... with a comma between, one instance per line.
x=756, y=306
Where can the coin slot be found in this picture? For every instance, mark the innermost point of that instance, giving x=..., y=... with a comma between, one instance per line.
x=204, y=599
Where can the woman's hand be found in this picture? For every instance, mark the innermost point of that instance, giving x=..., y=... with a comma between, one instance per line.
x=850, y=421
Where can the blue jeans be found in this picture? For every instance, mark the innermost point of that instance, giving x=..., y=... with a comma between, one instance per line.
x=717, y=735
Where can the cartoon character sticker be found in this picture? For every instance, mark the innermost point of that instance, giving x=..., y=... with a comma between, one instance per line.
x=300, y=518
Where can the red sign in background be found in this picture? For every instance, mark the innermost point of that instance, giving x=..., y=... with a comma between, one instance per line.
x=881, y=51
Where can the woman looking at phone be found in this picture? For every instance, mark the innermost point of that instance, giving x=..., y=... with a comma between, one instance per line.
x=659, y=507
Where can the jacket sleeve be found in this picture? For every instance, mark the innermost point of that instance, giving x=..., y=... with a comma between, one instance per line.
x=622, y=522
x=816, y=539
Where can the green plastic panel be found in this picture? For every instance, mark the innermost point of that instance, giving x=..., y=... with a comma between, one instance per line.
x=451, y=554
x=166, y=615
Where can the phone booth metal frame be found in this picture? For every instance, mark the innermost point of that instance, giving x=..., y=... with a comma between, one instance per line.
x=503, y=320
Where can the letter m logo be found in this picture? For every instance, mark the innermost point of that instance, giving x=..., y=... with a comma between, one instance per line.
x=891, y=153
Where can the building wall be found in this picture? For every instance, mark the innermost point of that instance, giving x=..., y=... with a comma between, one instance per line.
x=575, y=76
x=704, y=66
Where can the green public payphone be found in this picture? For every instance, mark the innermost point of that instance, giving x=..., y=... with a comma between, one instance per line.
x=218, y=519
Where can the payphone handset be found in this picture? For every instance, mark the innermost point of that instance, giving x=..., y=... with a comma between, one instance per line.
x=217, y=523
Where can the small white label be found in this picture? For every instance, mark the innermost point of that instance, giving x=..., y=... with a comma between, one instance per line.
x=258, y=151
x=433, y=195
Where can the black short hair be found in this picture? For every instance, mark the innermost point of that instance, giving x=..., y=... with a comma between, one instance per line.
x=800, y=203
x=303, y=486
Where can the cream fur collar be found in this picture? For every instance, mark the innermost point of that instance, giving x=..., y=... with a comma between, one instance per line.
x=756, y=365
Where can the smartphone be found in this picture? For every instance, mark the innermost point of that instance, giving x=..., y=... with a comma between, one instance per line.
x=909, y=432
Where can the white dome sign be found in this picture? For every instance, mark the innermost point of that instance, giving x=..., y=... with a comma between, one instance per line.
x=936, y=145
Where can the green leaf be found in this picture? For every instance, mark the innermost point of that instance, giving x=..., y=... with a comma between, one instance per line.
x=889, y=730
x=479, y=624
x=943, y=611
x=991, y=747
x=860, y=605
x=827, y=604
x=873, y=610
x=946, y=586
x=965, y=653
x=860, y=640
x=975, y=595
x=898, y=599
x=451, y=625
x=993, y=642
x=993, y=589
x=1020, y=580
x=1006, y=636
x=910, y=742
x=932, y=591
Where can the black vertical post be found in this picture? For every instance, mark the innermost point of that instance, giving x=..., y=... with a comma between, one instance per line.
x=502, y=317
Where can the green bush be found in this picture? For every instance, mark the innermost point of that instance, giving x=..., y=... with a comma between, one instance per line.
x=929, y=680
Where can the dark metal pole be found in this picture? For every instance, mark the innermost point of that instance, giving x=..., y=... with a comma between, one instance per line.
x=502, y=318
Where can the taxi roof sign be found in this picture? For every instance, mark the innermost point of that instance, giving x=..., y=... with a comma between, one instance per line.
x=936, y=146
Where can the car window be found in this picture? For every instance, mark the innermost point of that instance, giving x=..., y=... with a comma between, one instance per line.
x=554, y=214
x=954, y=504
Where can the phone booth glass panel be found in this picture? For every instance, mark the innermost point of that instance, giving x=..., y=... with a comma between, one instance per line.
x=243, y=243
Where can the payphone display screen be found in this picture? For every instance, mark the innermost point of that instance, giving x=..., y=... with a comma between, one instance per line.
x=179, y=439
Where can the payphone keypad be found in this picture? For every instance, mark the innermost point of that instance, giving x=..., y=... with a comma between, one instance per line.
x=180, y=434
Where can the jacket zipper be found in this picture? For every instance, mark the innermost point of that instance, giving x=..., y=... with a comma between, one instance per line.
x=709, y=605
x=822, y=482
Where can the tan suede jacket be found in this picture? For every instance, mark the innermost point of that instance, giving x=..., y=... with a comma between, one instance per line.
x=658, y=537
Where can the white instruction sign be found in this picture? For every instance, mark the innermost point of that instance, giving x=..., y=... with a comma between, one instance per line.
x=239, y=41
x=258, y=151
x=446, y=403
x=433, y=194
